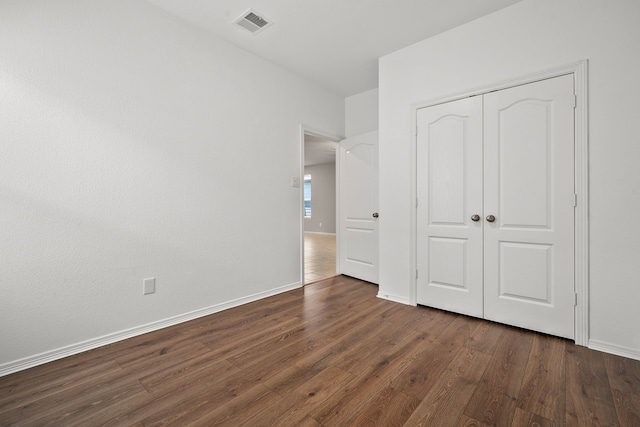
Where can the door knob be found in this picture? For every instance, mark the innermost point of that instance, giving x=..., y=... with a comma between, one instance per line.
x=475, y=217
x=491, y=218
x=375, y=215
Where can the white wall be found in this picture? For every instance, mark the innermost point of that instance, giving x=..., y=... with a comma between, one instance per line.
x=532, y=36
x=361, y=113
x=134, y=145
x=323, y=198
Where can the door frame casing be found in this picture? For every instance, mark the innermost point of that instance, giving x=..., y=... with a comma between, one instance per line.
x=579, y=70
x=312, y=131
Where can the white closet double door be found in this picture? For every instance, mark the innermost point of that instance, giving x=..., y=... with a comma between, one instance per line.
x=495, y=182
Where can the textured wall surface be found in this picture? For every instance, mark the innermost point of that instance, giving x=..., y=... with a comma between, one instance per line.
x=323, y=198
x=361, y=113
x=134, y=145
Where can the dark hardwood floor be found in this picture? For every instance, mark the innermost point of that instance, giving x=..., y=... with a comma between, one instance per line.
x=330, y=354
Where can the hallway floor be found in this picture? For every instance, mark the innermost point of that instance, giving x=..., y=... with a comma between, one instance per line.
x=319, y=256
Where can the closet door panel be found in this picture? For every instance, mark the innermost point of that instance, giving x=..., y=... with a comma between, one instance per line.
x=449, y=174
x=529, y=189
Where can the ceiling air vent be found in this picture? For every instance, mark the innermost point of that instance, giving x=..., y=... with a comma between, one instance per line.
x=252, y=21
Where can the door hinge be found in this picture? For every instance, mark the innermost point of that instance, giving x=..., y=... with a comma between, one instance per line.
x=575, y=200
x=416, y=273
x=575, y=101
x=575, y=299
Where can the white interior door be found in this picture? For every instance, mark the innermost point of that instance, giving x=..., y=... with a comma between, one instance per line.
x=449, y=172
x=508, y=157
x=529, y=189
x=358, y=163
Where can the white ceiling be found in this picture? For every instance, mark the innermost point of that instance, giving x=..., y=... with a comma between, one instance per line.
x=334, y=43
x=318, y=151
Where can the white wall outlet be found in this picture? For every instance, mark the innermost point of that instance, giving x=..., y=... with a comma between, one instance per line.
x=295, y=181
x=149, y=286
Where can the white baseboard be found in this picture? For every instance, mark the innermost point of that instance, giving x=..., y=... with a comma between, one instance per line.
x=50, y=356
x=394, y=298
x=319, y=232
x=618, y=350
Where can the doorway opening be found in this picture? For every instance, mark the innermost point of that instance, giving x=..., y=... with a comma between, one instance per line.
x=319, y=218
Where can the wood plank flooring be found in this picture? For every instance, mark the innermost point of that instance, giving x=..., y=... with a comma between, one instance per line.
x=330, y=354
x=319, y=256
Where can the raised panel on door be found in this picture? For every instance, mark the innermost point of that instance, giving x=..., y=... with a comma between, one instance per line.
x=449, y=186
x=358, y=160
x=529, y=188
